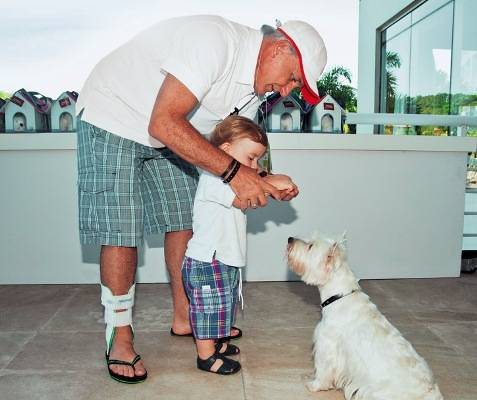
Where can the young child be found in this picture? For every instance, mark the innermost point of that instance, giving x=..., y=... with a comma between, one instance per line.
x=217, y=249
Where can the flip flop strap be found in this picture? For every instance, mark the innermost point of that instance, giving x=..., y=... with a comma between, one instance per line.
x=121, y=362
x=135, y=360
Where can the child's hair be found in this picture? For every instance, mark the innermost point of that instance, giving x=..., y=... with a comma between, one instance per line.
x=237, y=127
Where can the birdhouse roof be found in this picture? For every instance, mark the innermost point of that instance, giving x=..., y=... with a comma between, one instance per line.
x=71, y=94
x=41, y=103
x=327, y=98
x=275, y=98
x=74, y=95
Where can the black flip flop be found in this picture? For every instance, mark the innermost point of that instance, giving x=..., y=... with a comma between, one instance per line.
x=122, y=378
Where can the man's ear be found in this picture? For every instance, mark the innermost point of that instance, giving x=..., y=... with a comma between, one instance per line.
x=281, y=47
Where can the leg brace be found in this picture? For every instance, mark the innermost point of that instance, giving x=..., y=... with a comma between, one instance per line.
x=114, y=319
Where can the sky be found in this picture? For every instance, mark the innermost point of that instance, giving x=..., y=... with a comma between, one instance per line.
x=50, y=46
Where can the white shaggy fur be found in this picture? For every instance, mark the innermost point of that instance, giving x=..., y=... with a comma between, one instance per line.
x=356, y=348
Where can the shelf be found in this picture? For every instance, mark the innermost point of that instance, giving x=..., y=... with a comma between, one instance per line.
x=278, y=141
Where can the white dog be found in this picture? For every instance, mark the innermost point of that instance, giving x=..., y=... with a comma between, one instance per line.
x=356, y=348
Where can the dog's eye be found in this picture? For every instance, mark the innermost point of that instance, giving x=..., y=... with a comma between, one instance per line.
x=310, y=246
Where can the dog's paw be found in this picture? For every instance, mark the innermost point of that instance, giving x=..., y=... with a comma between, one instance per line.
x=313, y=386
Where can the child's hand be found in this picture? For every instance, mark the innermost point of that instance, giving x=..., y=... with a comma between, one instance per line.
x=288, y=190
x=281, y=182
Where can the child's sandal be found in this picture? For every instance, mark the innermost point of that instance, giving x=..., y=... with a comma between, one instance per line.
x=228, y=366
x=230, y=349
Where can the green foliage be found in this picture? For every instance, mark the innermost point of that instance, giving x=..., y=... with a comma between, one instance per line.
x=336, y=83
x=4, y=95
x=392, y=61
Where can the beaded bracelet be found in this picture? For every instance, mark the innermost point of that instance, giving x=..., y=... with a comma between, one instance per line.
x=233, y=173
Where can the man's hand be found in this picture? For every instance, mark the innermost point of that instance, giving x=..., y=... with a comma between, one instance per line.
x=251, y=189
x=288, y=189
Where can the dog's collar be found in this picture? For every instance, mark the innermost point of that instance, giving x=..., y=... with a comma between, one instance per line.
x=332, y=299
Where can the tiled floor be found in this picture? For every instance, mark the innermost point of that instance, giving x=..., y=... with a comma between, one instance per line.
x=51, y=341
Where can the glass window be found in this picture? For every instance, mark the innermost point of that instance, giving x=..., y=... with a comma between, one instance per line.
x=416, y=66
x=428, y=7
x=430, y=69
x=395, y=77
x=398, y=27
x=464, y=73
x=429, y=66
x=464, y=61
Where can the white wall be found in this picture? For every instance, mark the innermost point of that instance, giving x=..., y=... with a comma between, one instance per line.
x=401, y=199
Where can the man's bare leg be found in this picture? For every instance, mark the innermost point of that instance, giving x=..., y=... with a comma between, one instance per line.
x=175, y=244
x=118, y=272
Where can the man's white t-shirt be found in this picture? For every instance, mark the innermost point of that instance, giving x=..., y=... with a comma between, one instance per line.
x=213, y=57
x=219, y=228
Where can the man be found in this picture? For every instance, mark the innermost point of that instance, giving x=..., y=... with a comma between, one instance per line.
x=143, y=111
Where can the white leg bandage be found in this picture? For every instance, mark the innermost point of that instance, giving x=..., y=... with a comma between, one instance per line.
x=111, y=304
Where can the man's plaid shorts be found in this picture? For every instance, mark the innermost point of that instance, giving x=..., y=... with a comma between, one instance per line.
x=127, y=190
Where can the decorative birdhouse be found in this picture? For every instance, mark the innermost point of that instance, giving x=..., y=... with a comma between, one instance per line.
x=63, y=113
x=2, y=115
x=27, y=112
x=325, y=117
x=283, y=114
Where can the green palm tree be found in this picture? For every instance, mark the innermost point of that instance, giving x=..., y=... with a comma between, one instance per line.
x=336, y=83
x=392, y=61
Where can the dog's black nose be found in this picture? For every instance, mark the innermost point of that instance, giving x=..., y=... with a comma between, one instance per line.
x=291, y=239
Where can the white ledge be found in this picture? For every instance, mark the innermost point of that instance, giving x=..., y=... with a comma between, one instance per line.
x=314, y=141
x=278, y=141
x=37, y=141
x=410, y=119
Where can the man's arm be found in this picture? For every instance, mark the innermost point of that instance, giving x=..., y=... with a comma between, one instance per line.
x=170, y=126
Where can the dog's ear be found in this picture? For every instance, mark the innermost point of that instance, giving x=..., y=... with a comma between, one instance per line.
x=334, y=255
x=331, y=254
x=343, y=240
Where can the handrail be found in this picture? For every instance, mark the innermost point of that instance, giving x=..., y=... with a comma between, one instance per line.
x=410, y=119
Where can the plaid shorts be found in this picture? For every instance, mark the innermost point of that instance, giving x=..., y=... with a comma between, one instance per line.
x=212, y=289
x=126, y=189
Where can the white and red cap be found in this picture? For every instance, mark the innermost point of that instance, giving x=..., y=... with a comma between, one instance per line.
x=311, y=52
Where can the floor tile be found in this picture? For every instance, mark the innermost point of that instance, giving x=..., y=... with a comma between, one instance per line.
x=29, y=307
x=12, y=343
x=52, y=341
